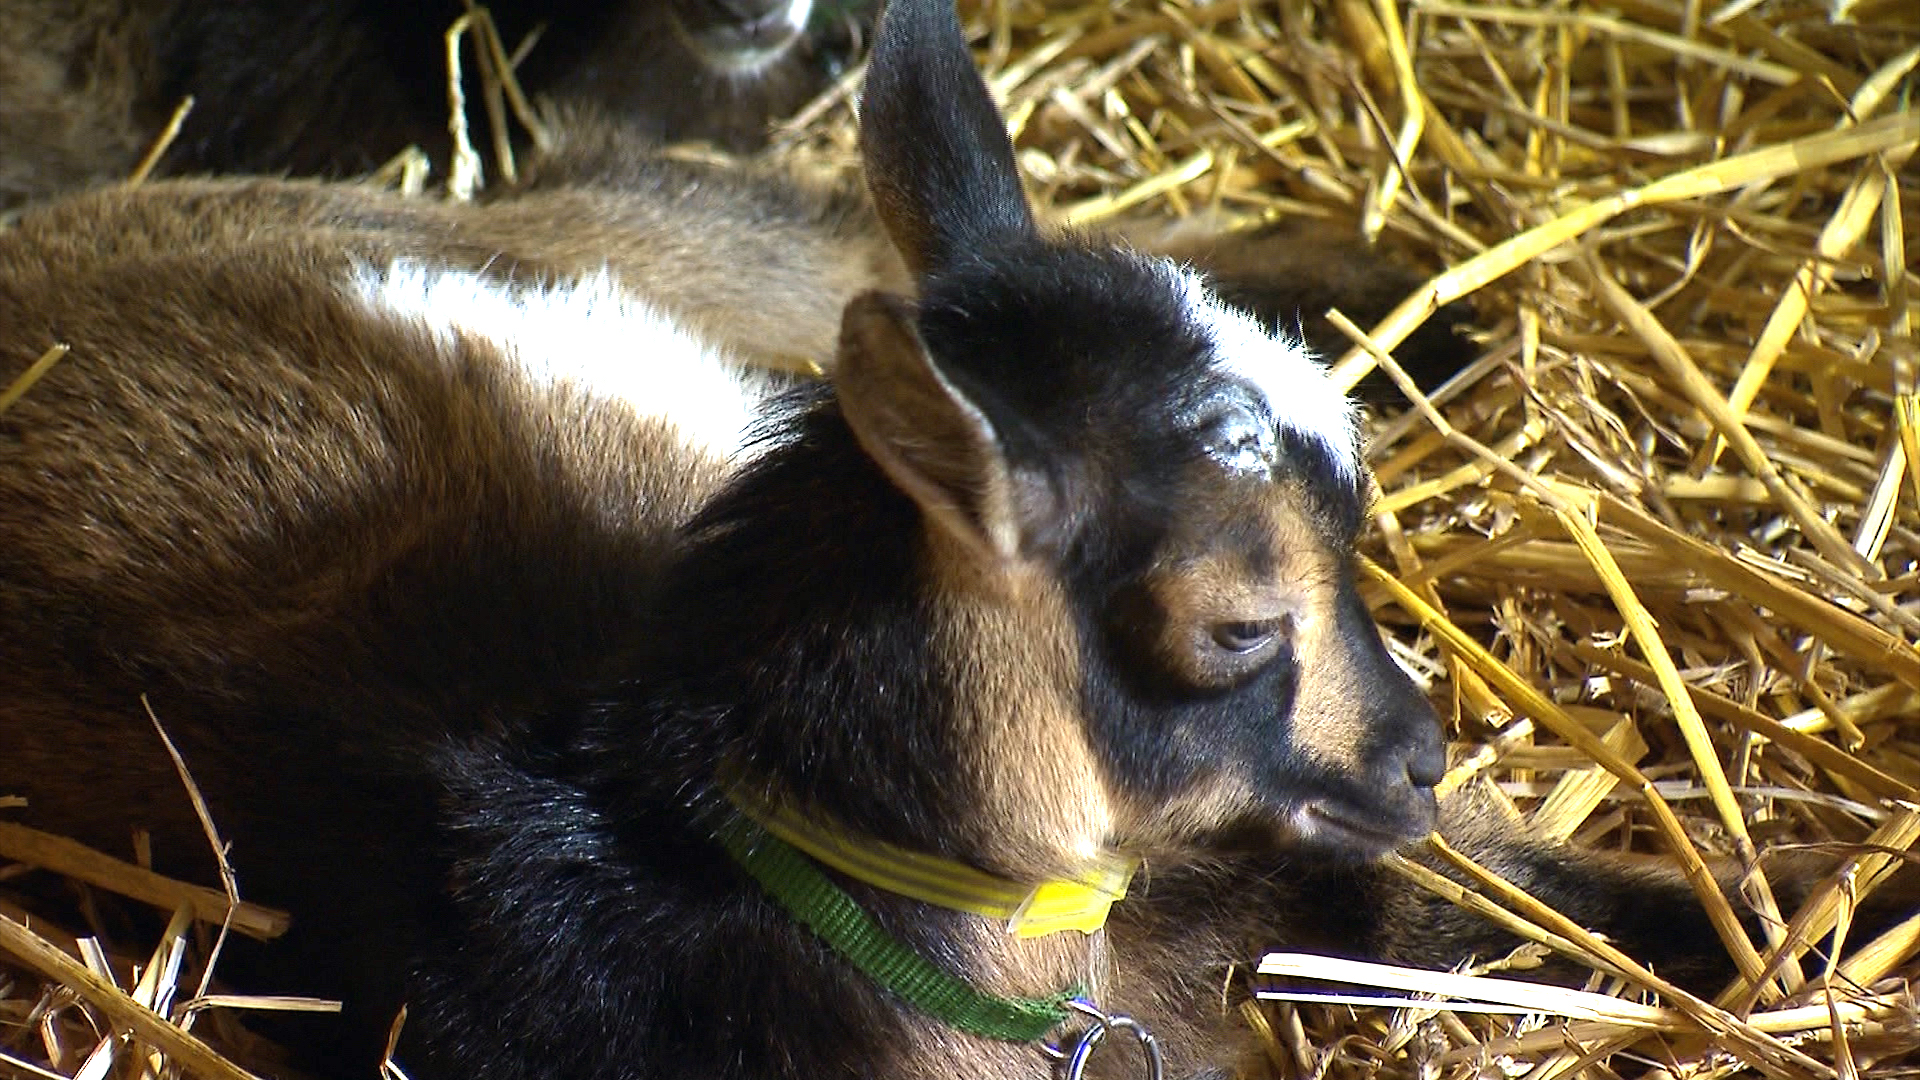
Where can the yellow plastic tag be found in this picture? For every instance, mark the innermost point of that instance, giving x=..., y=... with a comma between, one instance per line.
x=1081, y=905
x=1030, y=911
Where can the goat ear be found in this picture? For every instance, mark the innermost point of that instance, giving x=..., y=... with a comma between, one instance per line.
x=923, y=432
x=938, y=160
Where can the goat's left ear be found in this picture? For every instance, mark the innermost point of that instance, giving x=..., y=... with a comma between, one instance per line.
x=938, y=160
x=932, y=441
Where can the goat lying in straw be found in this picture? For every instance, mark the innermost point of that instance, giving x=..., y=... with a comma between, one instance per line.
x=622, y=713
x=340, y=86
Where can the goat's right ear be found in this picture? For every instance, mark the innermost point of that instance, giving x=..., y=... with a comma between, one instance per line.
x=931, y=440
x=937, y=157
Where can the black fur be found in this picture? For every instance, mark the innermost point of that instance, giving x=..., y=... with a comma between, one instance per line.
x=956, y=202
x=466, y=707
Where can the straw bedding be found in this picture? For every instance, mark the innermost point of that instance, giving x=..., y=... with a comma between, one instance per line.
x=1657, y=552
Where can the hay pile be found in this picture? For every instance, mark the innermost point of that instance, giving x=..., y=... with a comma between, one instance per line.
x=1659, y=550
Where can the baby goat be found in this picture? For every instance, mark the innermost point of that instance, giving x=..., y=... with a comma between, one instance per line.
x=579, y=690
x=335, y=87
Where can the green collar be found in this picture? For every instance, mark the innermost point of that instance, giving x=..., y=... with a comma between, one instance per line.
x=799, y=885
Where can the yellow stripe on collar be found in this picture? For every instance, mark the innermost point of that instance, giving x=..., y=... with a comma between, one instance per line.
x=1028, y=910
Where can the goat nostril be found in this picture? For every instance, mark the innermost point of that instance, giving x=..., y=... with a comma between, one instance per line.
x=1427, y=764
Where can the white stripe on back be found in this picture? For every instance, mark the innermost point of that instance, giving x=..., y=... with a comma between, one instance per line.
x=589, y=335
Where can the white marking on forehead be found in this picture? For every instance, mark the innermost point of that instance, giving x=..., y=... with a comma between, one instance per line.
x=1299, y=394
x=591, y=336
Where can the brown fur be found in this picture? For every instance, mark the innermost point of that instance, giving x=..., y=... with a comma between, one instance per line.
x=1210, y=579
x=811, y=248
x=387, y=595
x=1219, y=587
x=1009, y=646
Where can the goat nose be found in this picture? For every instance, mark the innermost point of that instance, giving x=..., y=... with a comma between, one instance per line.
x=1427, y=763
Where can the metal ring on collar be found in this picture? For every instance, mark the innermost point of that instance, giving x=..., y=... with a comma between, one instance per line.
x=1071, y=1064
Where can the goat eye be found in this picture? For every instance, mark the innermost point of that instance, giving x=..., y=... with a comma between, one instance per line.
x=1246, y=637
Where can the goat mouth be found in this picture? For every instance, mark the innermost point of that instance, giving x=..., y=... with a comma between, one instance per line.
x=1369, y=835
